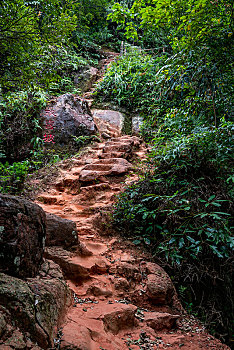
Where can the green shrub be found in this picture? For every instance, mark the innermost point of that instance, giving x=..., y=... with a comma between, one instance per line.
x=20, y=122
x=184, y=204
x=12, y=176
x=128, y=82
x=187, y=85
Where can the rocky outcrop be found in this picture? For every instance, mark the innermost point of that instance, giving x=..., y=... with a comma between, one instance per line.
x=33, y=294
x=68, y=117
x=31, y=310
x=22, y=236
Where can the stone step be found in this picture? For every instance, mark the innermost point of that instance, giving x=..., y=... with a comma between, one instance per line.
x=77, y=267
x=98, y=325
x=106, y=321
x=91, y=193
x=95, y=247
x=96, y=188
x=114, y=166
x=117, y=147
x=114, y=155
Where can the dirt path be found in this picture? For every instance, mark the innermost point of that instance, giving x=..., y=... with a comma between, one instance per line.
x=121, y=300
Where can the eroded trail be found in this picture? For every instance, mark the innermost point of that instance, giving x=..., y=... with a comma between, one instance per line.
x=121, y=300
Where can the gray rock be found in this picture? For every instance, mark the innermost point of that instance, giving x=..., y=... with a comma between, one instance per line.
x=22, y=236
x=137, y=121
x=60, y=232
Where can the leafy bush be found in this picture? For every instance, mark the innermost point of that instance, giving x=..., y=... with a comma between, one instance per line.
x=26, y=28
x=20, y=122
x=12, y=176
x=188, y=84
x=177, y=196
x=86, y=45
x=56, y=66
x=126, y=81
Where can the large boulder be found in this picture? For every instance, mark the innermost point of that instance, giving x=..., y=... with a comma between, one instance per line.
x=33, y=309
x=68, y=117
x=60, y=232
x=22, y=236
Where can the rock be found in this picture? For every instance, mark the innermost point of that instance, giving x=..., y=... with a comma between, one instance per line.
x=104, y=167
x=106, y=136
x=3, y=324
x=121, y=147
x=77, y=267
x=35, y=307
x=69, y=117
x=113, y=147
x=98, y=291
x=90, y=193
x=121, y=285
x=60, y=232
x=85, y=78
x=52, y=298
x=63, y=258
x=137, y=121
x=121, y=317
x=160, y=288
x=22, y=236
x=16, y=341
x=113, y=117
x=160, y=320
x=73, y=341
x=17, y=297
x=132, y=140
x=6, y=327
x=131, y=272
